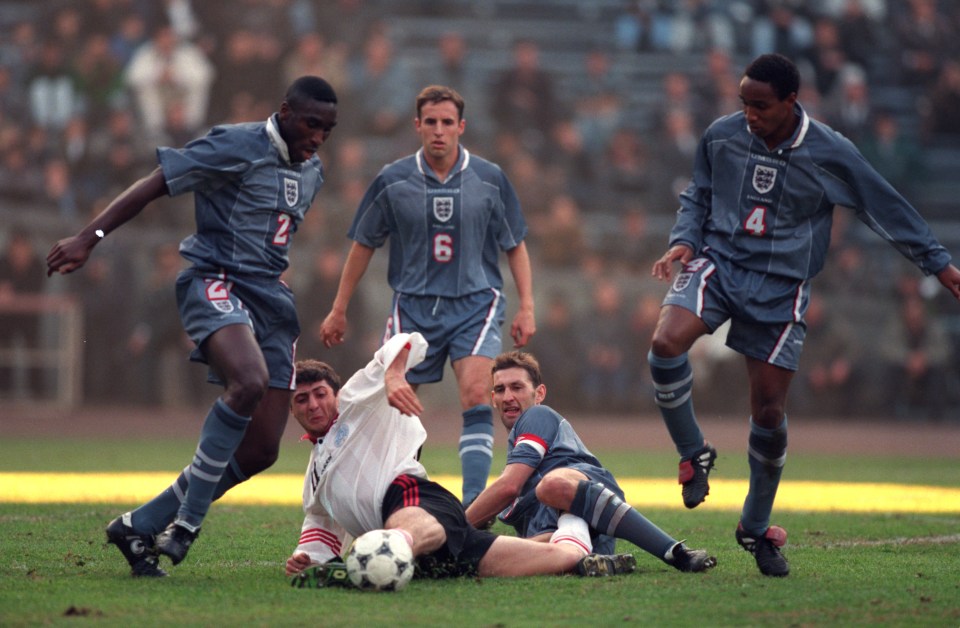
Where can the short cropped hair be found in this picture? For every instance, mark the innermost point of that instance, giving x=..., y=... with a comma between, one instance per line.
x=519, y=359
x=313, y=371
x=439, y=93
x=310, y=88
x=777, y=70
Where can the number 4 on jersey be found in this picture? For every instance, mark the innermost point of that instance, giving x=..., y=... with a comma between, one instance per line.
x=756, y=222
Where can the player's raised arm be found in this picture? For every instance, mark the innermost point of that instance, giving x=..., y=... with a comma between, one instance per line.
x=334, y=326
x=400, y=394
x=71, y=253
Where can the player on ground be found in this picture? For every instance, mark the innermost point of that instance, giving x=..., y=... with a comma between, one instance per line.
x=550, y=471
x=252, y=184
x=447, y=214
x=364, y=475
x=752, y=230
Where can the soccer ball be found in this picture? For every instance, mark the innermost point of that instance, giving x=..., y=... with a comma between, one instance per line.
x=380, y=560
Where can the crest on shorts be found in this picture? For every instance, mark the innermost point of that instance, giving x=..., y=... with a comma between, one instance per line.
x=224, y=305
x=443, y=207
x=763, y=178
x=291, y=191
x=682, y=281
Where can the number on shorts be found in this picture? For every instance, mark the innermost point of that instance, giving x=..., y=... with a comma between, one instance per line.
x=756, y=222
x=217, y=290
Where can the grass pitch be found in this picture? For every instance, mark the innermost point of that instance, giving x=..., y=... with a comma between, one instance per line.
x=894, y=566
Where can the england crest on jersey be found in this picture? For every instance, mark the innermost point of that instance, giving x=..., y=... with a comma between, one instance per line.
x=443, y=208
x=763, y=178
x=291, y=191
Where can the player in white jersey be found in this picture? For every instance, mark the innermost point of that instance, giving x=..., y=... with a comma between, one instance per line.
x=364, y=475
x=448, y=214
x=252, y=184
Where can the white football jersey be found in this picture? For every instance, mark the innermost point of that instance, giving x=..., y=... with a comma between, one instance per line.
x=368, y=446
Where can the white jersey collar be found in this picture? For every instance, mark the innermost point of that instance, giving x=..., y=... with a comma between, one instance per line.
x=422, y=165
x=273, y=132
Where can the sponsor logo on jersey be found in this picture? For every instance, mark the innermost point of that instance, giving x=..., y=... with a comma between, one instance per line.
x=682, y=281
x=763, y=178
x=291, y=191
x=443, y=208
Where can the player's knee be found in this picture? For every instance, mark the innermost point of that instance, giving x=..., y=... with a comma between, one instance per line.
x=769, y=415
x=261, y=460
x=664, y=346
x=556, y=491
x=245, y=391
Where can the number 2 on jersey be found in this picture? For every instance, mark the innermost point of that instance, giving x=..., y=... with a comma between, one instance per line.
x=282, y=236
x=443, y=247
x=756, y=222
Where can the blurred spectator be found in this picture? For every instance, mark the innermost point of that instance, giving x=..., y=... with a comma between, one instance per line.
x=781, y=28
x=20, y=180
x=915, y=356
x=825, y=57
x=643, y=26
x=524, y=102
x=127, y=39
x=247, y=63
x=628, y=169
x=315, y=56
x=598, y=101
x=557, y=347
x=677, y=143
x=603, y=328
x=629, y=247
x=847, y=108
x=576, y=166
x=383, y=90
x=859, y=29
x=22, y=273
x=642, y=321
x=99, y=78
x=315, y=298
x=699, y=25
x=166, y=69
x=831, y=379
x=53, y=90
x=716, y=87
x=940, y=120
x=59, y=191
x=157, y=346
x=559, y=239
x=896, y=156
x=923, y=38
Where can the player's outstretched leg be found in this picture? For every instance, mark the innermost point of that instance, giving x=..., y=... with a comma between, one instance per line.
x=476, y=450
x=673, y=393
x=765, y=548
x=222, y=432
x=689, y=560
x=138, y=549
x=595, y=565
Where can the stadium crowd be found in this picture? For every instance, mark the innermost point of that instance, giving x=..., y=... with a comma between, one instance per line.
x=594, y=109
